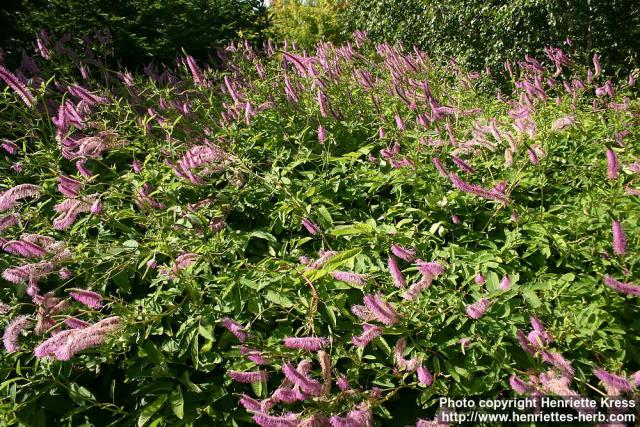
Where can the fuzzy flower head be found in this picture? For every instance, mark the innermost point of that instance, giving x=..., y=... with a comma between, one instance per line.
x=382, y=310
x=613, y=166
x=235, y=328
x=12, y=332
x=88, y=298
x=248, y=377
x=619, y=238
x=354, y=279
x=613, y=381
x=396, y=274
x=306, y=343
x=403, y=253
x=476, y=310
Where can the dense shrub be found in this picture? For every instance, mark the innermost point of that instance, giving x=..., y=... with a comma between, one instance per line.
x=307, y=22
x=486, y=33
x=166, y=233
x=142, y=30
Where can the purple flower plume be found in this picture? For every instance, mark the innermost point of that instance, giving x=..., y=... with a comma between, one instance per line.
x=64, y=345
x=86, y=96
x=306, y=384
x=518, y=385
x=196, y=73
x=505, y=283
x=558, y=361
x=254, y=355
x=477, y=190
x=369, y=333
x=398, y=357
x=14, y=83
x=440, y=167
x=401, y=252
x=312, y=228
x=613, y=166
x=12, y=332
x=249, y=403
x=9, y=221
x=248, y=377
x=9, y=198
x=9, y=146
x=478, y=308
x=432, y=269
x=88, y=298
x=322, y=134
x=396, y=274
x=619, y=239
x=306, y=343
x=382, y=310
x=464, y=166
x=264, y=420
x=625, y=288
x=24, y=248
x=68, y=186
x=235, y=328
x=424, y=376
x=351, y=278
x=614, y=381
x=355, y=418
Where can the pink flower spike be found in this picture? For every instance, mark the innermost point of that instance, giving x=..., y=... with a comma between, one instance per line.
x=424, y=376
x=619, y=239
x=505, y=283
x=614, y=381
x=396, y=274
x=248, y=377
x=12, y=332
x=88, y=298
x=312, y=228
x=343, y=383
x=613, y=166
x=235, y=328
x=625, y=288
x=403, y=253
x=382, y=310
x=82, y=168
x=477, y=309
x=518, y=385
x=369, y=333
x=306, y=343
x=306, y=384
x=351, y=278
x=14, y=83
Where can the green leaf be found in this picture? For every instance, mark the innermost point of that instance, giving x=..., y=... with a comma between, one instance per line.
x=351, y=230
x=177, y=402
x=278, y=298
x=151, y=409
x=80, y=395
x=326, y=215
x=341, y=258
x=531, y=298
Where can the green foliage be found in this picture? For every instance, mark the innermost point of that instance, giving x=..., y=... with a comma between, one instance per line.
x=229, y=167
x=307, y=22
x=142, y=30
x=486, y=33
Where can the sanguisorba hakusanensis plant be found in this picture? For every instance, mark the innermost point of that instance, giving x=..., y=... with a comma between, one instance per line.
x=335, y=237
